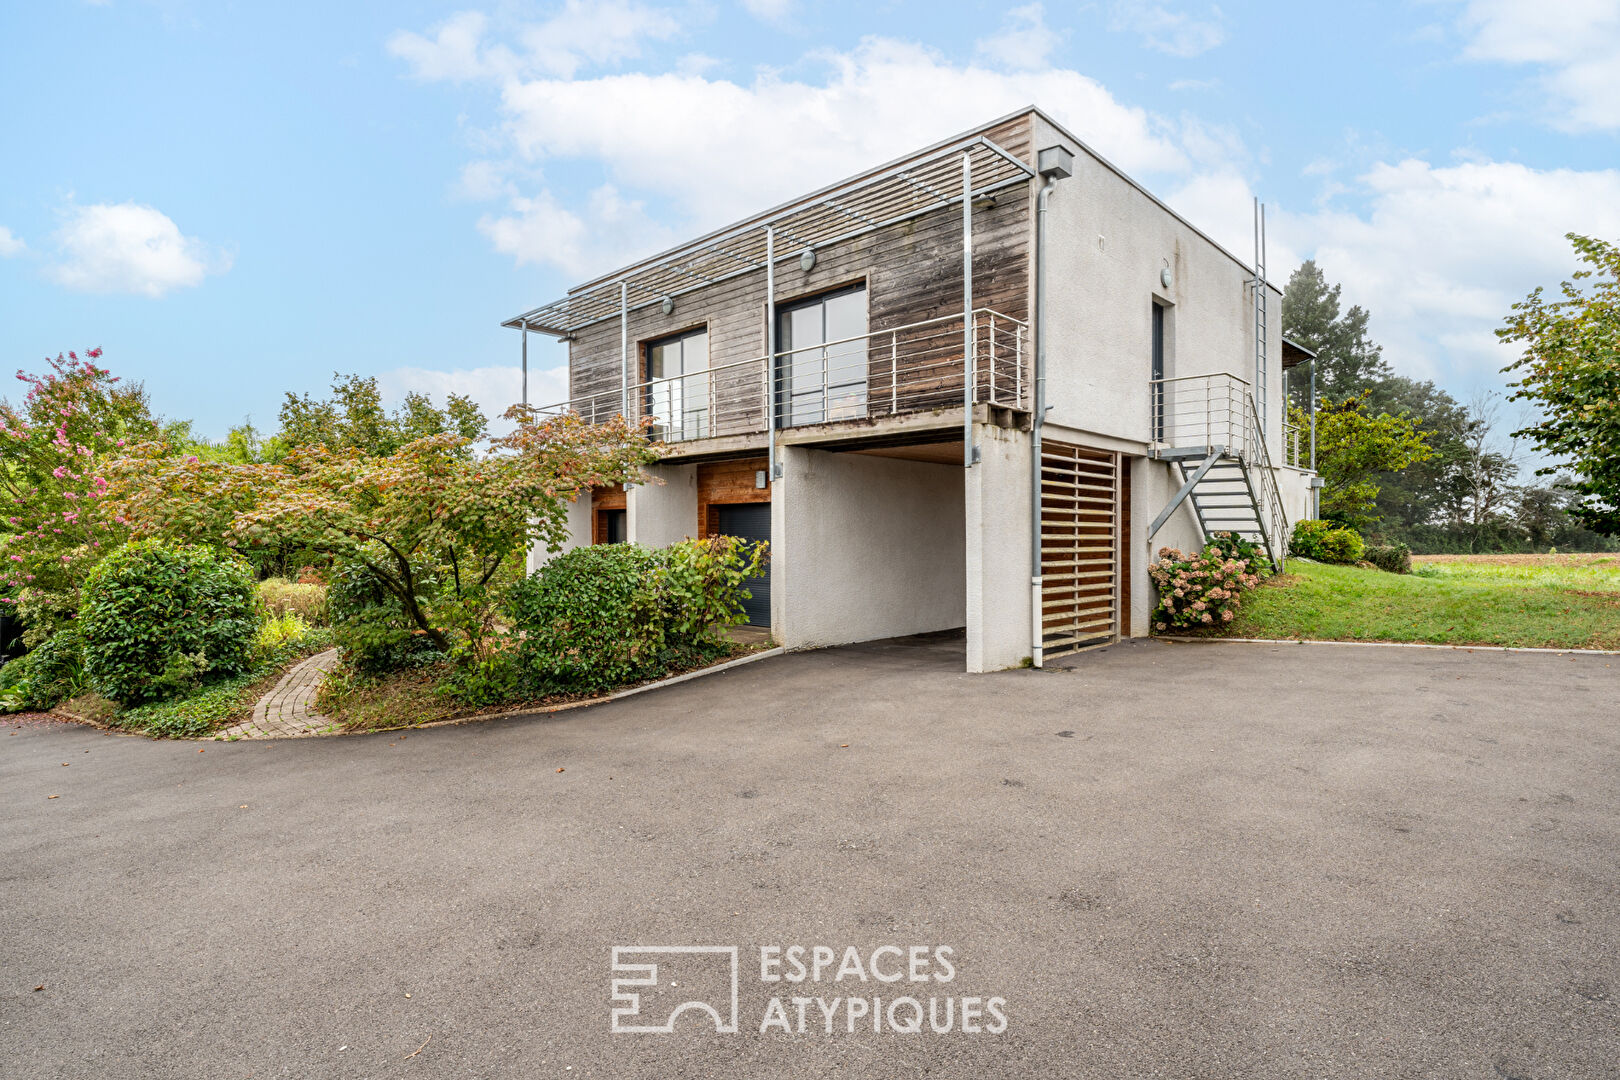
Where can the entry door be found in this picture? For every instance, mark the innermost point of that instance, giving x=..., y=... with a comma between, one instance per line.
x=751, y=521
x=820, y=373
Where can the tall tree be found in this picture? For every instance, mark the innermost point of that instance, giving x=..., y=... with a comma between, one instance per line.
x=1353, y=448
x=1571, y=369
x=1347, y=361
x=353, y=418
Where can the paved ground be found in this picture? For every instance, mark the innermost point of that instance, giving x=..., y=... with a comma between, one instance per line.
x=288, y=710
x=1171, y=861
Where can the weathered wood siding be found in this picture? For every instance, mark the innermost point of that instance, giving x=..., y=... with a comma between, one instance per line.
x=912, y=272
x=727, y=483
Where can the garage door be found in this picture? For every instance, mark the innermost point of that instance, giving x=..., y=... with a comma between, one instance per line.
x=751, y=521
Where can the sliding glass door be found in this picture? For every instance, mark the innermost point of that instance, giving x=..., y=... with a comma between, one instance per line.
x=677, y=395
x=820, y=372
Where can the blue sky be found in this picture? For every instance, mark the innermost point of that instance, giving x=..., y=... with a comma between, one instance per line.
x=236, y=200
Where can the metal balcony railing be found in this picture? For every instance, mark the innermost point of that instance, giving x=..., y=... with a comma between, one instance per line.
x=905, y=369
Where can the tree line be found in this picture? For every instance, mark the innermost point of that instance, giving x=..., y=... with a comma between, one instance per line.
x=1406, y=462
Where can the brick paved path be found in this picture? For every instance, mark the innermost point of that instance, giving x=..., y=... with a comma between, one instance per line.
x=289, y=709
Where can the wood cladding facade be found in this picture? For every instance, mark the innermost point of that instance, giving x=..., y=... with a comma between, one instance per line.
x=912, y=272
x=727, y=483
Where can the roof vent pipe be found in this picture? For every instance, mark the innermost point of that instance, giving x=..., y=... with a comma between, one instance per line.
x=1053, y=163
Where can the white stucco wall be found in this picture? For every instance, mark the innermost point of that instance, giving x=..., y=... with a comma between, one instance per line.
x=579, y=534
x=998, y=501
x=660, y=514
x=1294, y=486
x=1108, y=241
x=864, y=547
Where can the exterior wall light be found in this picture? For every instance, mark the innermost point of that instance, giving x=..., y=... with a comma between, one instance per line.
x=807, y=260
x=1165, y=277
x=668, y=306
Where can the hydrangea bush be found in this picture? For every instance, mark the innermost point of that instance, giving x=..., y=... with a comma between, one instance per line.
x=1203, y=591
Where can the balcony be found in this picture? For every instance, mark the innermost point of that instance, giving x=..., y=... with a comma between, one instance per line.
x=909, y=369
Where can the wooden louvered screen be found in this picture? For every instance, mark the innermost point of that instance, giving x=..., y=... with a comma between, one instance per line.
x=1079, y=547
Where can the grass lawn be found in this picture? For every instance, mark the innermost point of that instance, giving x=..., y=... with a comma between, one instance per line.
x=1547, y=601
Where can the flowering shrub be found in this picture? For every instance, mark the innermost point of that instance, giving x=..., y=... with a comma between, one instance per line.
x=54, y=445
x=1203, y=590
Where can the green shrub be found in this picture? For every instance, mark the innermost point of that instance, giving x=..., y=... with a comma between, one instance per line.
x=369, y=623
x=307, y=601
x=1325, y=541
x=157, y=618
x=1396, y=558
x=602, y=616
x=1203, y=591
x=51, y=673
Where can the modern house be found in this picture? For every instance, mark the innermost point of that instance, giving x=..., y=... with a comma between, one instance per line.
x=977, y=387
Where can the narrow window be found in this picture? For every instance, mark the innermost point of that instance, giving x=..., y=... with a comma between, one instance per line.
x=1159, y=389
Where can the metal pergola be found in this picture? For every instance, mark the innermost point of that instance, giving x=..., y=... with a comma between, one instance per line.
x=848, y=209
x=962, y=172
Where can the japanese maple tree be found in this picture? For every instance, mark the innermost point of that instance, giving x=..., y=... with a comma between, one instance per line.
x=430, y=503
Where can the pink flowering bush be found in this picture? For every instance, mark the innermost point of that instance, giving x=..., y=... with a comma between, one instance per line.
x=1203, y=591
x=55, y=445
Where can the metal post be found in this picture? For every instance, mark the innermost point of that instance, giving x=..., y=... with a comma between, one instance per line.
x=970, y=453
x=624, y=349
x=524, y=324
x=894, y=372
x=1018, y=366
x=770, y=352
x=1313, y=414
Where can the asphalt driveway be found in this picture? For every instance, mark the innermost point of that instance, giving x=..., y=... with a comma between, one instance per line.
x=1215, y=860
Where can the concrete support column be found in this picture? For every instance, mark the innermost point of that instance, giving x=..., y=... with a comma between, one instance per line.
x=996, y=495
x=579, y=534
x=660, y=514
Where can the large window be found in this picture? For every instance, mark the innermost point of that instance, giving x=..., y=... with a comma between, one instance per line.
x=820, y=374
x=677, y=396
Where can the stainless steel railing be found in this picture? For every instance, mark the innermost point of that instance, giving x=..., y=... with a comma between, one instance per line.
x=911, y=368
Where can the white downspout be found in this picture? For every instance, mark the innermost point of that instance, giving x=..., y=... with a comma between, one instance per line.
x=1037, y=421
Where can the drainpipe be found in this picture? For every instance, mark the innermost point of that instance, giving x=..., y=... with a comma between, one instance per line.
x=1054, y=163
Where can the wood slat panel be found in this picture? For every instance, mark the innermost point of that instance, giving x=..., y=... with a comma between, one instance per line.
x=1080, y=507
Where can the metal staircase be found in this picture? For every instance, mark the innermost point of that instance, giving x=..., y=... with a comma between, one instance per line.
x=1209, y=428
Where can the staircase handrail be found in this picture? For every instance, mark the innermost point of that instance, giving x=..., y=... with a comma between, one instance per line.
x=1272, y=518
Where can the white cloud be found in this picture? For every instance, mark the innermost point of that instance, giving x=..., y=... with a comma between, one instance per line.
x=579, y=34
x=769, y=10
x=611, y=230
x=10, y=244
x=713, y=150
x=1576, y=42
x=1174, y=32
x=130, y=248
x=1024, y=41
x=1443, y=251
